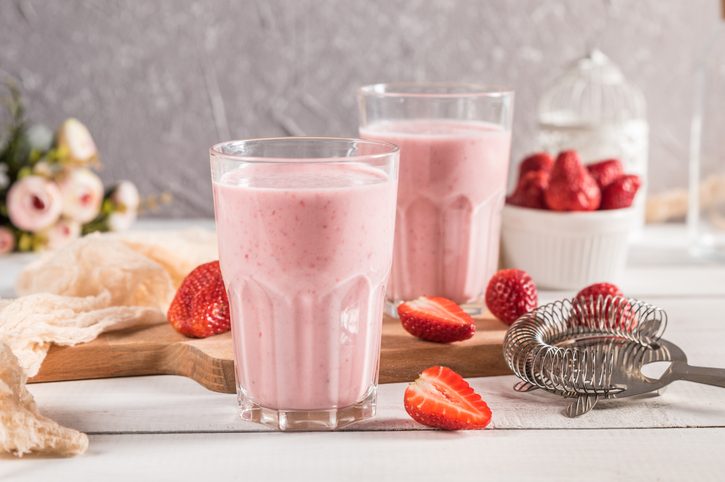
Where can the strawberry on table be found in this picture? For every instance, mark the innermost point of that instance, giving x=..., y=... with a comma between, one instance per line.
x=620, y=193
x=437, y=319
x=510, y=294
x=599, y=289
x=571, y=187
x=604, y=172
x=615, y=313
x=200, y=307
x=441, y=398
x=530, y=190
x=537, y=162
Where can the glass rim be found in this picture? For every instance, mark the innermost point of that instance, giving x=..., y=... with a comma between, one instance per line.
x=406, y=89
x=389, y=149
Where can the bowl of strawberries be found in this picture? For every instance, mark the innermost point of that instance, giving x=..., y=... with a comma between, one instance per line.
x=568, y=224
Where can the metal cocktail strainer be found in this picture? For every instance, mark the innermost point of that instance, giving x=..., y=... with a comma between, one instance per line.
x=595, y=349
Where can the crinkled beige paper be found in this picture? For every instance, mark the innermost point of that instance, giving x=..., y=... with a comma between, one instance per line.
x=96, y=284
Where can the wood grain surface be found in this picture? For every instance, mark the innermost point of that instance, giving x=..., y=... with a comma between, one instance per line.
x=160, y=350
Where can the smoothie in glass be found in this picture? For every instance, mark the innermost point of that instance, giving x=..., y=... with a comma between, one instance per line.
x=451, y=194
x=305, y=248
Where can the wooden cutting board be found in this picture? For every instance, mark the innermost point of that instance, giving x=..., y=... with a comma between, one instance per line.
x=159, y=350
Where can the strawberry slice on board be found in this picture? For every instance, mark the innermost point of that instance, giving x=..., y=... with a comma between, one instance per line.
x=441, y=398
x=433, y=318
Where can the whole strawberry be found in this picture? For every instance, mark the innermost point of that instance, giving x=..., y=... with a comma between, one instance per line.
x=602, y=305
x=538, y=162
x=604, y=172
x=510, y=294
x=620, y=193
x=530, y=190
x=571, y=187
x=599, y=289
x=200, y=307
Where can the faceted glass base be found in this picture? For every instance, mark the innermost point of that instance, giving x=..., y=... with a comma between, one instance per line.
x=308, y=420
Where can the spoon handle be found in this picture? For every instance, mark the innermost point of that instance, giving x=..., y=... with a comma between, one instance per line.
x=706, y=375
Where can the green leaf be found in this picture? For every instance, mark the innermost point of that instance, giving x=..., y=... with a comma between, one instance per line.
x=25, y=242
x=25, y=172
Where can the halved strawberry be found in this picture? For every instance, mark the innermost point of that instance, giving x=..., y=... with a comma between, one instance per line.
x=200, y=307
x=433, y=318
x=441, y=398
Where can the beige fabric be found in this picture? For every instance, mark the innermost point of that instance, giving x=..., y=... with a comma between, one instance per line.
x=98, y=283
x=177, y=252
x=29, y=324
x=94, y=265
x=22, y=428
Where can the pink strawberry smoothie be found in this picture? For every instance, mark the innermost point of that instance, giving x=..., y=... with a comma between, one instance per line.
x=450, y=197
x=305, y=254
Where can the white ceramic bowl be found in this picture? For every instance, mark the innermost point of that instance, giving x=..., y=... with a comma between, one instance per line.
x=569, y=250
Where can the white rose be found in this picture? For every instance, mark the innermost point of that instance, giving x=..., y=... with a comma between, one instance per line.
x=121, y=221
x=39, y=137
x=82, y=193
x=75, y=138
x=126, y=196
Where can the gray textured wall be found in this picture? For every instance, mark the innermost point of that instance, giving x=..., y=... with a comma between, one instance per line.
x=160, y=81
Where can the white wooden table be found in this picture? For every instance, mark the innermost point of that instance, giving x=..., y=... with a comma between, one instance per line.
x=170, y=428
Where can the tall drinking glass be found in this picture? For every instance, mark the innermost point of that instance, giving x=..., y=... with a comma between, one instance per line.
x=305, y=228
x=454, y=144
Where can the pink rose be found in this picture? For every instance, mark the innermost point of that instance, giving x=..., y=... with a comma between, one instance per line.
x=61, y=233
x=82, y=193
x=34, y=203
x=7, y=240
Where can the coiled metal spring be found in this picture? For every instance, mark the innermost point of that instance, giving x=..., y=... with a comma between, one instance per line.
x=570, y=347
